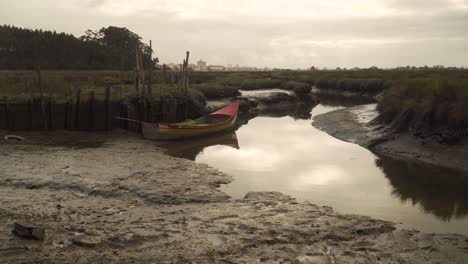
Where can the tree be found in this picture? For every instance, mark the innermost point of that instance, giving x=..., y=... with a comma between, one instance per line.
x=108, y=48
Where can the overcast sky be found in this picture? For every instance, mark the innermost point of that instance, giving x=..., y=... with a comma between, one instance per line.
x=272, y=33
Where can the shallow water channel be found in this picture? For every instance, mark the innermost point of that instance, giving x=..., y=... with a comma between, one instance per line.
x=291, y=156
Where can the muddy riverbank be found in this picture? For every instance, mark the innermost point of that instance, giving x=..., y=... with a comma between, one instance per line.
x=114, y=197
x=355, y=125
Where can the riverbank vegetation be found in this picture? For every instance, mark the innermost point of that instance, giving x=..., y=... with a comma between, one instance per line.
x=225, y=84
x=428, y=107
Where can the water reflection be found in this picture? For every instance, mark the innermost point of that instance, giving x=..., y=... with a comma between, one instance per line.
x=295, y=111
x=439, y=191
x=189, y=149
x=263, y=92
x=289, y=155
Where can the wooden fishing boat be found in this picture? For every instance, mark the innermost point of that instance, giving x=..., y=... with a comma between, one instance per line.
x=220, y=120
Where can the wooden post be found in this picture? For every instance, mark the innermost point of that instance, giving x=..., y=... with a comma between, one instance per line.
x=41, y=96
x=7, y=117
x=162, y=109
x=164, y=80
x=67, y=113
x=137, y=71
x=30, y=113
x=107, y=107
x=142, y=72
x=164, y=74
x=187, y=55
x=77, y=109
x=150, y=71
x=71, y=113
x=50, y=113
x=91, y=111
x=181, y=77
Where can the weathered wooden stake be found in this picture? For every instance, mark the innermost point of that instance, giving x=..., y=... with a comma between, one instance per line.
x=30, y=113
x=50, y=113
x=150, y=71
x=7, y=117
x=67, y=113
x=187, y=55
x=77, y=109
x=41, y=96
x=91, y=111
x=107, y=102
x=142, y=72
x=164, y=80
x=162, y=119
x=137, y=83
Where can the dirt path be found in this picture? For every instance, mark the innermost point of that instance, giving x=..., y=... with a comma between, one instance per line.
x=118, y=199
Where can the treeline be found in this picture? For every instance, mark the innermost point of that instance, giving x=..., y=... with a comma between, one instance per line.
x=111, y=48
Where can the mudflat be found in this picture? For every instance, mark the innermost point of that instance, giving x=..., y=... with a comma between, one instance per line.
x=355, y=125
x=116, y=198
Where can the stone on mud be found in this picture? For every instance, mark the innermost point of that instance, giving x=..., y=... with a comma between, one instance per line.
x=86, y=241
x=268, y=196
x=29, y=231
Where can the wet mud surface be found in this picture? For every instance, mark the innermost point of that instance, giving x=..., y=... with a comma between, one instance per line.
x=355, y=125
x=124, y=201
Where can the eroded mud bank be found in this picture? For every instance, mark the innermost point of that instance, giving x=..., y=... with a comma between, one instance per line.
x=354, y=125
x=115, y=198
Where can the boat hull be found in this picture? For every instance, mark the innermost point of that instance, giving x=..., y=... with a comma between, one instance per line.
x=168, y=133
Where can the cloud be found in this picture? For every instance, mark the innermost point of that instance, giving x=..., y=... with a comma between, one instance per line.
x=276, y=33
x=95, y=3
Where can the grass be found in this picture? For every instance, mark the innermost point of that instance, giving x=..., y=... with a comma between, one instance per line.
x=24, y=84
x=422, y=101
x=370, y=87
x=61, y=85
x=428, y=106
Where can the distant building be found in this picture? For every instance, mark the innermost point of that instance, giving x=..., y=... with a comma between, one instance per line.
x=216, y=68
x=201, y=66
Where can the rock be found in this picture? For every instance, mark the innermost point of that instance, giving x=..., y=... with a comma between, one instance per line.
x=308, y=98
x=86, y=241
x=246, y=104
x=13, y=137
x=29, y=231
x=302, y=89
x=375, y=230
x=268, y=196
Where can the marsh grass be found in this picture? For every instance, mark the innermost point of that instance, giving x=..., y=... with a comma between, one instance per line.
x=359, y=86
x=427, y=104
x=20, y=86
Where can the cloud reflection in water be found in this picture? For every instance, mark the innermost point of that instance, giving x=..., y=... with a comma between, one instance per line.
x=291, y=156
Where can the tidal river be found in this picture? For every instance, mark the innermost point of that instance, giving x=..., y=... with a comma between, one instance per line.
x=291, y=156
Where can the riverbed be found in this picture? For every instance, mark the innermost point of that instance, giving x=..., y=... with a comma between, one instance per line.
x=289, y=155
x=118, y=198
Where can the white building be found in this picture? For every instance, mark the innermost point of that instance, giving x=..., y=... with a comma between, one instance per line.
x=201, y=66
x=216, y=68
